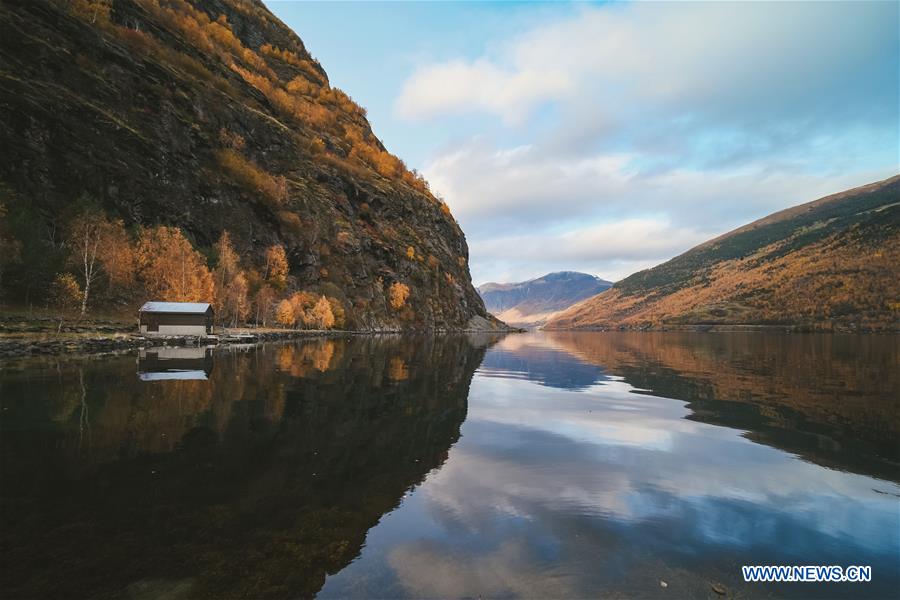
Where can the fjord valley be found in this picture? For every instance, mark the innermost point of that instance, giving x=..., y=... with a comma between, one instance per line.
x=168, y=150
x=242, y=355
x=827, y=265
x=531, y=303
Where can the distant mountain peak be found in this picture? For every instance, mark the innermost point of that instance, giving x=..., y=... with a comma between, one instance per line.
x=532, y=302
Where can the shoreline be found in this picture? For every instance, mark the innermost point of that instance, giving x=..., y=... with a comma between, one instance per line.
x=50, y=345
x=103, y=340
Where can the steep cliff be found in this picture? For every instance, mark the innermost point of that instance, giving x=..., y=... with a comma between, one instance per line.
x=211, y=116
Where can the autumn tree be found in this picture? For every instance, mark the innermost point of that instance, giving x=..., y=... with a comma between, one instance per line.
x=340, y=315
x=398, y=293
x=84, y=238
x=284, y=313
x=303, y=304
x=169, y=267
x=236, y=302
x=321, y=316
x=276, y=269
x=65, y=293
x=231, y=286
x=117, y=255
x=307, y=310
x=263, y=301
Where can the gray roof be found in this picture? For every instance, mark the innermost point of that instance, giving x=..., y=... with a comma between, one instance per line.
x=176, y=307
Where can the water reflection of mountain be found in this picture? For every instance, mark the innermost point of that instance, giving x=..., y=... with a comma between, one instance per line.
x=831, y=399
x=255, y=483
x=520, y=357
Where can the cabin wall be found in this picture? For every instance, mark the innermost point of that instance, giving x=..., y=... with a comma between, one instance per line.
x=193, y=324
x=193, y=330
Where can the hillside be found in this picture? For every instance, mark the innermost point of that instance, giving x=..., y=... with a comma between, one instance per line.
x=830, y=264
x=531, y=303
x=184, y=121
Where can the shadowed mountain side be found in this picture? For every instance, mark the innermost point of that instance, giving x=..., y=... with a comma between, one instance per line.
x=830, y=264
x=531, y=303
x=242, y=479
x=211, y=116
x=815, y=396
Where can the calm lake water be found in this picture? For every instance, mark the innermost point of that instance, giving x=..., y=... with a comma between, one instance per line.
x=536, y=465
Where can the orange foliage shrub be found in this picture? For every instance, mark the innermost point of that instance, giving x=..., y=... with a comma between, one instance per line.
x=65, y=293
x=95, y=12
x=398, y=293
x=144, y=43
x=292, y=59
x=292, y=106
x=307, y=310
x=214, y=37
x=251, y=176
x=301, y=86
x=343, y=102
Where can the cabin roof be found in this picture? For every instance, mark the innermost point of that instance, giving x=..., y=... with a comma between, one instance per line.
x=176, y=307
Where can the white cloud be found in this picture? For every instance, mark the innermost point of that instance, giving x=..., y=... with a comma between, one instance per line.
x=612, y=250
x=456, y=86
x=672, y=121
x=693, y=60
x=526, y=213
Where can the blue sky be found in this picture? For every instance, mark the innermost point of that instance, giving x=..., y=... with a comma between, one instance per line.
x=608, y=137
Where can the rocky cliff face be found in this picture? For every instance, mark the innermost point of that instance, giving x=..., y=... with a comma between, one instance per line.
x=830, y=264
x=213, y=116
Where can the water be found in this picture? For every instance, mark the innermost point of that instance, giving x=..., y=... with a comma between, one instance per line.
x=536, y=465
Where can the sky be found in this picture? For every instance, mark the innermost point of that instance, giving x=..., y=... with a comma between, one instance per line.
x=609, y=137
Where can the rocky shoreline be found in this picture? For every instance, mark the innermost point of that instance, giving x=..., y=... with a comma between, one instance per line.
x=24, y=337
x=23, y=347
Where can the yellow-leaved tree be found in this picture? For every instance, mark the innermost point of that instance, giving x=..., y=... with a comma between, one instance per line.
x=169, y=267
x=284, y=313
x=398, y=293
x=276, y=270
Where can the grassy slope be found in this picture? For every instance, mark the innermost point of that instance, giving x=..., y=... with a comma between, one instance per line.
x=827, y=264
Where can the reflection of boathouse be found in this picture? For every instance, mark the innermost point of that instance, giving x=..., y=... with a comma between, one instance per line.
x=155, y=364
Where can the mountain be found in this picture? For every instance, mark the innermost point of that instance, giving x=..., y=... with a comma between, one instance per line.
x=531, y=303
x=830, y=264
x=211, y=116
